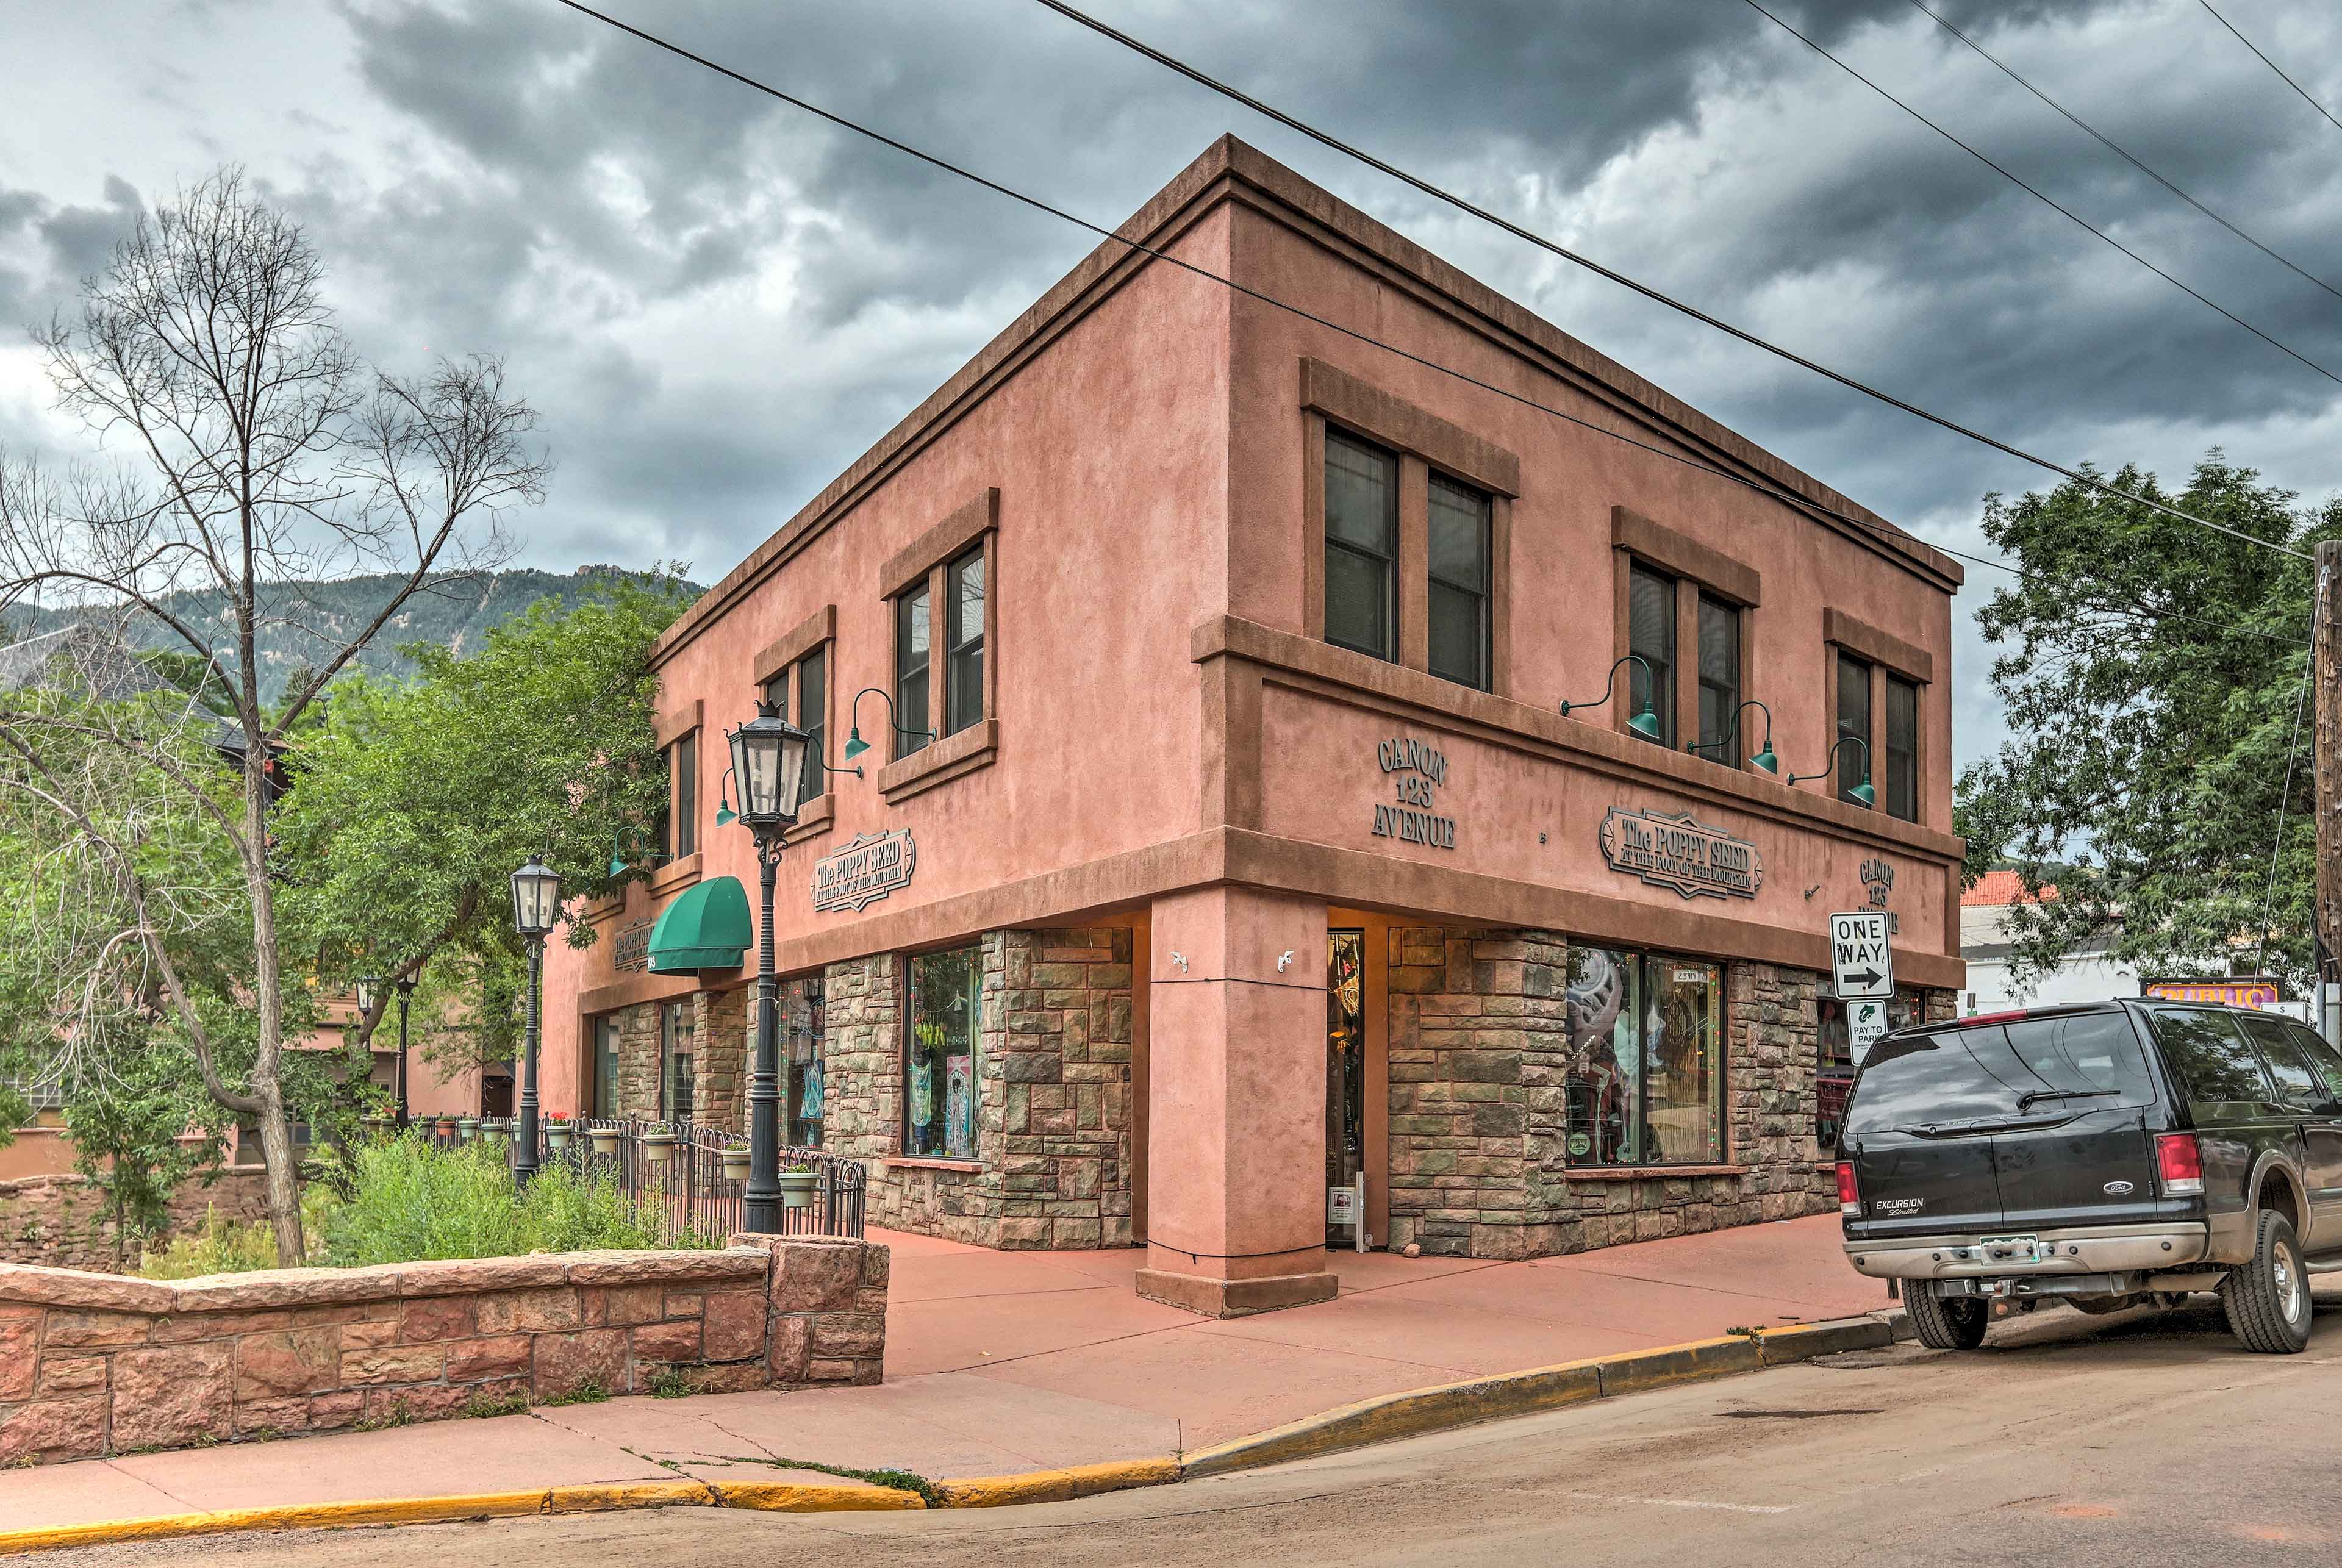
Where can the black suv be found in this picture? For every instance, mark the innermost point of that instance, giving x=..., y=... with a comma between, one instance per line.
x=2105, y=1154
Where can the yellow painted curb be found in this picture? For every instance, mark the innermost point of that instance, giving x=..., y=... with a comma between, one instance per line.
x=618, y=1494
x=1780, y=1347
x=788, y=1497
x=1057, y=1486
x=1701, y=1359
x=294, y=1516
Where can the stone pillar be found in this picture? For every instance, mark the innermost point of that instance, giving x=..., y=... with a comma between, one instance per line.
x=725, y=1025
x=1237, y=1111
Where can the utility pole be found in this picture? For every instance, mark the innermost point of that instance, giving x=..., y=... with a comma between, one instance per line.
x=2326, y=670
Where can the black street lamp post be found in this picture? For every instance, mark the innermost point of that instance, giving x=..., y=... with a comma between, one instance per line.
x=536, y=905
x=768, y=763
x=406, y=989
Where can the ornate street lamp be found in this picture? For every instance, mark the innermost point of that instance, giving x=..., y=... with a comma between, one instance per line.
x=768, y=763
x=1862, y=793
x=406, y=989
x=1645, y=724
x=536, y=906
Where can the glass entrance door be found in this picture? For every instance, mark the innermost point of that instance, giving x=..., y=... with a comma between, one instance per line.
x=1346, y=1069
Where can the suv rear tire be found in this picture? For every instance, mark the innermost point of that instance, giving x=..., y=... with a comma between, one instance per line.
x=2268, y=1300
x=1948, y=1322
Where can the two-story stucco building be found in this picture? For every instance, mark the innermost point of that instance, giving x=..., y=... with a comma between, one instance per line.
x=1219, y=843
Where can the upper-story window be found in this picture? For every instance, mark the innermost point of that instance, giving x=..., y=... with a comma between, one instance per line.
x=964, y=641
x=1361, y=547
x=806, y=682
x=1461, y=599
x=1853, y=722
x=914, y=655
x=1719, y=680
x=1651, y=638
x=679, y=831
x=1902, y=749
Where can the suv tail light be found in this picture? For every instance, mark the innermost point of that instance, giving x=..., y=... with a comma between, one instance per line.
x=1849, y=1196
x=2178, y=1161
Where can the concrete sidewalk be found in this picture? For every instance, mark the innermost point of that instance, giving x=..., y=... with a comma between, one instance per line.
x=1007, y=1362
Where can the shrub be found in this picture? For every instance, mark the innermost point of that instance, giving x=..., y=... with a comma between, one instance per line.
x=413, y=1200
x=224, y=1247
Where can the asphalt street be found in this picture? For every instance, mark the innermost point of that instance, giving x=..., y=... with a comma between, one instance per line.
x=2144, y=1439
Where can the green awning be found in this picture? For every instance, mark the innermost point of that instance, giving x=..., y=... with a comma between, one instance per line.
x=706, y=928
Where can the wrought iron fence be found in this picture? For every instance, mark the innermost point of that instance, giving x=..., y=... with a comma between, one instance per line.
x=682, y=1172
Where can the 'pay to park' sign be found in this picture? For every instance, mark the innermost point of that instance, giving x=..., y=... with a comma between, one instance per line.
x=1861, y=960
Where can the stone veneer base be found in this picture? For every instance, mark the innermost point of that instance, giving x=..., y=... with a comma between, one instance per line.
x=1234, y=1298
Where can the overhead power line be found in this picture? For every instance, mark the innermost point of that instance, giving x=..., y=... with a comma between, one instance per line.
x=2039, y=196
x=2120, y=152
x=1497, y=220
x=2272, y=64
x=1750, y=481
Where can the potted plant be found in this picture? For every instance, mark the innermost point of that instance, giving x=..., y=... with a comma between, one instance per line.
x=658, y=1142
x=466, y=1128
x=607, y=1139
x=446, y=1126
x=557, y=1131
x=799, y=1182
x=733, y=1156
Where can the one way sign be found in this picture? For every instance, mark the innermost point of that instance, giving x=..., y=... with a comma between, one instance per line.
x=1860, y=959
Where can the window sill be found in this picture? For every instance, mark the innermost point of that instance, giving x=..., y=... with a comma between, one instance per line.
x=814, y=816
x=918, y=1162
x=941, y=761
x=675, y=874
x=1646, y=1172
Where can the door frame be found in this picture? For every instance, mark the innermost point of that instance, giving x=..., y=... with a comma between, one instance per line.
x=1375, y=1004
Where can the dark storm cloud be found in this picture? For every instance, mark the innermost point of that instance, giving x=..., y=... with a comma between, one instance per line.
x=719, y=301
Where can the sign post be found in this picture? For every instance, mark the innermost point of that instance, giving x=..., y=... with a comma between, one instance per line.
x=1862, y=970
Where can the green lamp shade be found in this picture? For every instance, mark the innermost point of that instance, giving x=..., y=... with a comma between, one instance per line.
x=1645, y=724
x=1765, y=762
x=725, y=815
x=617, y=866
x=854, y=745
x=1864, y=794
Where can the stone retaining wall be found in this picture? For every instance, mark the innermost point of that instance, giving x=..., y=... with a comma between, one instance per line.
x=62, y=1221
x=94, y=1365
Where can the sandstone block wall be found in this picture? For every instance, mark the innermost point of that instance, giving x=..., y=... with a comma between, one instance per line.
x=94, y=1365
x=63, y=1221
x=1053, y=1140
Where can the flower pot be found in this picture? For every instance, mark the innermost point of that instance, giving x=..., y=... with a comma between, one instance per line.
x=799, y=1187
x=558, y=1135
x=606, y=1140
x=658, y=1147
x=735, y=1165
x=446, y=1126
x=468, y=1128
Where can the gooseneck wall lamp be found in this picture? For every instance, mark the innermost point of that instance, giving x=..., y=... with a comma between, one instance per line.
x=769, y=757
x=1645, y=724
x=856, y=746
x=1861, y=792
x=1763, y=761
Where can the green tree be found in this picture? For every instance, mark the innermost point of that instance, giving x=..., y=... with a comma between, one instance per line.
x=418, y=800
x=140, y=1127
x=2151, y=672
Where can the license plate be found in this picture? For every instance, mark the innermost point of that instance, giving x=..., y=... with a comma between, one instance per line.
x=2010, y=1250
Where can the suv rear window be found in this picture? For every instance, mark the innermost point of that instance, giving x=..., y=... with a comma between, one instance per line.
x=2211, y=1065
x=1987, y=1073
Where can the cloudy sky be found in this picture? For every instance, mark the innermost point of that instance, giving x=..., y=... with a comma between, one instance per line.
x=719, y=304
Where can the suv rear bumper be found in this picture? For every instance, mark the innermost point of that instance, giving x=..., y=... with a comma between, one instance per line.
x=2080, y=1250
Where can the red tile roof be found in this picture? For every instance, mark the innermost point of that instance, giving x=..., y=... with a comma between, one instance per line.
x=1996, y=888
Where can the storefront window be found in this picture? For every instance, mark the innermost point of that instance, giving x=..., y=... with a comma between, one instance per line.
x=803, y=1045
x=1645, y=1075
x=1834, y=1075
x=676, y=1029
x=939, y=1093
x=606, y=1066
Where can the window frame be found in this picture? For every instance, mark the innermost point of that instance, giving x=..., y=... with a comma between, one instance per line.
x=1898, y=793
x=1644, y=965
x=676, y=1017
x=1645, y=681
x=1387, y=613
x=1729, y=748
x=1337, y=405
x=913, y=664
x=1483, y=593
x=683, y=797
x=1699, y=573
x=964, y=689
x=1849, y=767
x=974, y=953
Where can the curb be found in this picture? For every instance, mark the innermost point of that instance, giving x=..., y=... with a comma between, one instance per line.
x=1413, y=1414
